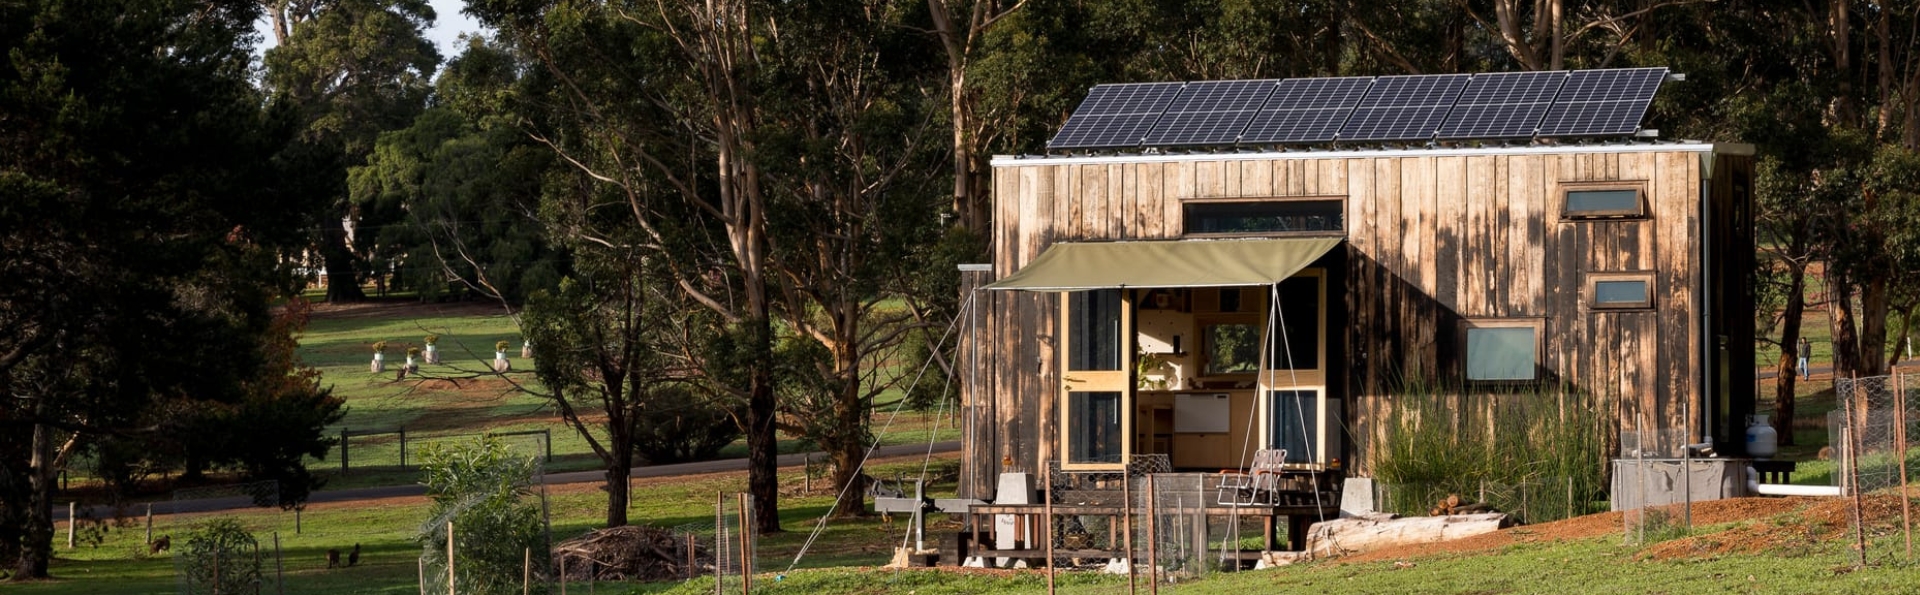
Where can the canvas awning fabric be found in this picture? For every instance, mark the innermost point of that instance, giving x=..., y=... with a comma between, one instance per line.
x=1166, y=264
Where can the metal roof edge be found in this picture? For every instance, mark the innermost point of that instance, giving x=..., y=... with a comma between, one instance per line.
x=1687, y=146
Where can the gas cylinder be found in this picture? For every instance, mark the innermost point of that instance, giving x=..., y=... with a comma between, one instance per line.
x=1762, y=441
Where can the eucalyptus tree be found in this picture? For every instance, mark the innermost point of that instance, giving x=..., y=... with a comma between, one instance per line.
x=657, y=105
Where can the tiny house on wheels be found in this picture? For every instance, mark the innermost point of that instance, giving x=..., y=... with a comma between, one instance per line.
x=1198, y=272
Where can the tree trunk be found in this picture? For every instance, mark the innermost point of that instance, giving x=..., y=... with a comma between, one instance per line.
x=36, y=549
x=1846, y=341
x=1366, y=533
x=1787, y=374
x=1875, y=304
x=763, y=447
x=343, y=283
x=849, y=417
x=618, y=471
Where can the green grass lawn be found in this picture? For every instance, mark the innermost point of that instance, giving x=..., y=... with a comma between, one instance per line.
x=847, y=556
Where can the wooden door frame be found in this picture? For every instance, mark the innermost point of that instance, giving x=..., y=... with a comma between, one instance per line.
x=1120, y=381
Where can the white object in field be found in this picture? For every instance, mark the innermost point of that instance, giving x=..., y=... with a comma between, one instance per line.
x=433, y=355
x=1782, y=489
x=1762, y=441
x=500, y=362
x=1014, y=488
x=379, y=362
x=1356, y=496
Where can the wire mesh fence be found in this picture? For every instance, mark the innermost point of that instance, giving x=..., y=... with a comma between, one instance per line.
x=734, y=544
x=1655, y=483
x=399, y=448
x=1871, y=435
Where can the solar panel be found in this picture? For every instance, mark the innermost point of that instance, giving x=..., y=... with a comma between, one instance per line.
x=1306, y=110
x=1503, y=105
x=1210, y=113
x=1602, y=102
x=1407, y=107
x=1115, y=116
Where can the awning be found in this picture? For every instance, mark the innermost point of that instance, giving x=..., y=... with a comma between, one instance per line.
x=1182, y=263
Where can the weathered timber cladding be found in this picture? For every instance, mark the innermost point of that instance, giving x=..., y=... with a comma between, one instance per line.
x=1432, y=240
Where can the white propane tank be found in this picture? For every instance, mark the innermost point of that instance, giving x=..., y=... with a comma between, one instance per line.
x=1762, y=441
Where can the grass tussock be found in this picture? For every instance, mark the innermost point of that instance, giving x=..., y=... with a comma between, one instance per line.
x=1537, y=452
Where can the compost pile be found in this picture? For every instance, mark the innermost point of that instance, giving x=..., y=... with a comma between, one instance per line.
x=633, y=552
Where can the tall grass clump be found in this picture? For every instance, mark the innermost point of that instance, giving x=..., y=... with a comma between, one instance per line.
x=1536, y=452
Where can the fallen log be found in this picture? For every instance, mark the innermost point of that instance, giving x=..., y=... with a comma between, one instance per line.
x=1370, y=532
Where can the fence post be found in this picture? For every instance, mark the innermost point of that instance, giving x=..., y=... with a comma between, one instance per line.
x=1570, y=509
x=149, y=523
x=450, y=575
x=1153, y=551
x=549, y=436
x=746, y=554
x=72, y=520
x=526, y=572
x=279, y=567
x=420, y=565
x=403, y=448
x=343, y=451
x=1900, y=452
x=1047, y=502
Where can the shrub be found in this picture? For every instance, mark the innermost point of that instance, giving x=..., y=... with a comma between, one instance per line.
x=379, y=346
x=432, y=339
x=676, y=425
x=500, y=346
x=221, y=556
x=484, y=489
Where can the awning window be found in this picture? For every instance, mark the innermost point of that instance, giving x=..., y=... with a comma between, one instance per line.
x=1167, y=264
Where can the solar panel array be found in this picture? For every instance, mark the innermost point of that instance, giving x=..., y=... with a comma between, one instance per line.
x=1210, y=113
x=1306, y=110
x=1115, y=116
x=1404, y=107
x=1415, y=108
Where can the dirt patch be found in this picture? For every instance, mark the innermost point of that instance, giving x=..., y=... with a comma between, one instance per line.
x=1593, y=525
x=1825, y=520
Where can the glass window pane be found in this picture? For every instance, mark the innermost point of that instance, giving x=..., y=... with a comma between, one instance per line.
x=1093, y=324
x=1293, y=416
x=1232, y=348
x=1631, y=292
x=1299, y=326
x=1603, y=202
x=1093, y=427
x=1270, y=216
x=1505, y=353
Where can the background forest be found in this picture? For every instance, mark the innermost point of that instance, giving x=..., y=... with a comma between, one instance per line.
x=739, y=212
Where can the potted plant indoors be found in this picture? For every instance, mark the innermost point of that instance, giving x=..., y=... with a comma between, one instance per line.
x=500, y=357
x=432, y=354
x=379, y=357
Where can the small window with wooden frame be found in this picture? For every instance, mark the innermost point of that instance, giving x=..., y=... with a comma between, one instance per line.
x=1502, y=349
x=1619, y=291
x=1603, y=200
x=1264, y=216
